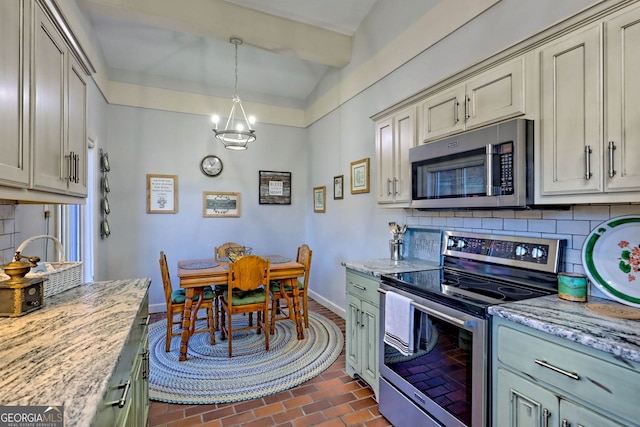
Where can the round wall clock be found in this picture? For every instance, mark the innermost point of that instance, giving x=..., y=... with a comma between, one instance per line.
x=211, y=165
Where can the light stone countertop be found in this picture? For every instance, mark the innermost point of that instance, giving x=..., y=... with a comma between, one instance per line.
x=65, y=353
x=572, y=321
x=379, y=266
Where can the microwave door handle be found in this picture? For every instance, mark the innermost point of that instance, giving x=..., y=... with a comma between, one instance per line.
x=489, y=169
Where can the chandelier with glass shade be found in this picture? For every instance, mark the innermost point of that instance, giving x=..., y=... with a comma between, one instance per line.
x=238, y=130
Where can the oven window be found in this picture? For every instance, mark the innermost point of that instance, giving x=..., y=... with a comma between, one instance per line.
x=454, y=176
x=441, y=367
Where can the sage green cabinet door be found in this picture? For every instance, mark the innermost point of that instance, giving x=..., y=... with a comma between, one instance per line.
x=521, y=403
x=369, y=331
x=353, y=335
x=574, y=415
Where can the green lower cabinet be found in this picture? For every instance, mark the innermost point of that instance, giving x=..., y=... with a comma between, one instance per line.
x=521, y=403
x=362, y=328
x=543, y=380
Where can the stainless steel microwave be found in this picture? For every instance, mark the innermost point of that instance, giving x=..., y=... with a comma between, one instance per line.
x=491, y=167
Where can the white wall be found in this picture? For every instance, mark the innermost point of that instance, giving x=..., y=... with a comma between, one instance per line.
x=143, y=141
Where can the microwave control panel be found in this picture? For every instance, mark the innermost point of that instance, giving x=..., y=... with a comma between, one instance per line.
x=503, y=174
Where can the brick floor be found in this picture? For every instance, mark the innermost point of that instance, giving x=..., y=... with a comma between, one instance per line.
x=332, y=399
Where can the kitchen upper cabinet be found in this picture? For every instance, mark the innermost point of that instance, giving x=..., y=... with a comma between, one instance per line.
x=59, y=113
x=14, y=130
x=493, y=95
x=590, y=109
x=543, y=380
x=394, y=137
x=43, y=109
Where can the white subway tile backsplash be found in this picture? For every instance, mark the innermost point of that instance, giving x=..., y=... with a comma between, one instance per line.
x=515, y=224
x=575, y=227
x=587, y=212
x=528, y=214
x=624, y=210
x=472, y=222
x=493, y=223
x=542, y=225
x=565, y=214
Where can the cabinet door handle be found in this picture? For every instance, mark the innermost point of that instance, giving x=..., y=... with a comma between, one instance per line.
x=362, y=288
x=544, y=364
x=467, y=107
x=565, y=423
x=587, y=162
x=612, y=148
x=123, y=397
x=395, y=186
x=456, y=119
x=388, y=186
x=77, y=168
x=71, y=162
x=545, y=417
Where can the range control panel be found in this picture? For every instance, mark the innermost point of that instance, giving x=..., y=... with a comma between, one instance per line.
x=526, y=252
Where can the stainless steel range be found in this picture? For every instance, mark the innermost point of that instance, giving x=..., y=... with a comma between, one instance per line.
x=444, y=380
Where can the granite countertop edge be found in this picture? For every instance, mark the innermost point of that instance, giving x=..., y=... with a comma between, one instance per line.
x=378, y=266
x=574, y=322
x=66, y=352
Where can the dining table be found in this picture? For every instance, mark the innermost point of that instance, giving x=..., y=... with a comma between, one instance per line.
x=196, y=274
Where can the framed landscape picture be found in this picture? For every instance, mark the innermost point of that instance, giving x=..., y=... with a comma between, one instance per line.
x=220, y=204
x=319, y=199
x=360, y=176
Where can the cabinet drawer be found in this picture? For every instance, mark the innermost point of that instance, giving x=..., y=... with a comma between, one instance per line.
x=598, y=381
x=363, y=287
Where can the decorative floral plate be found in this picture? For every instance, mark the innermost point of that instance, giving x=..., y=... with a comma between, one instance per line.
x=611, y=258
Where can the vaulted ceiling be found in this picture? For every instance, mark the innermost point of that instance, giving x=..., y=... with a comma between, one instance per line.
x=288, y=45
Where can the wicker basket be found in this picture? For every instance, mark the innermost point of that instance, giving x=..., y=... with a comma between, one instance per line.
x=66, y=275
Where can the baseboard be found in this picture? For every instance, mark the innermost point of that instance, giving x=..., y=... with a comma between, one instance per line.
x=340, y=311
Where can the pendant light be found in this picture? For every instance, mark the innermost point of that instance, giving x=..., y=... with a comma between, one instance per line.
x=238, y=131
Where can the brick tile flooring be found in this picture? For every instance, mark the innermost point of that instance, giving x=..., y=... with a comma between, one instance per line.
x=332, y=399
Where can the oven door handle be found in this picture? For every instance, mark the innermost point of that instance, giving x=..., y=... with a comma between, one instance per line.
x=451, y=319
x=431, y=311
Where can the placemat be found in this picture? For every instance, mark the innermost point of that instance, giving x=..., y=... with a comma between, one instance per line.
x=278, y=259
x=199, y=265
x=614, y=310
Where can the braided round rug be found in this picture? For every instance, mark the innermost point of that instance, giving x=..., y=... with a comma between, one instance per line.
x=209, y=376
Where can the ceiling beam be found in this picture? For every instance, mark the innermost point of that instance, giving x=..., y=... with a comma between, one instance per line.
x=220, y=20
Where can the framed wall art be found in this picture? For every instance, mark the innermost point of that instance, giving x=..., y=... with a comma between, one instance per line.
x=162, y=193
x=220, y=204
x=319, y=199
x=275, y=188
x=338, y=187
x=360, y=176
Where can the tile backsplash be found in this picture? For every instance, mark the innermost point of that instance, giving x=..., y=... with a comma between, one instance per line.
x=8, y=232
x=573, y=225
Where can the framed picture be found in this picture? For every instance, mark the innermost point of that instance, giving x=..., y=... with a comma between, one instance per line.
x=360, y=176
x=220, y=204
x=338, y=187
x=162, y=193
x=319, y=199
x=275, y=188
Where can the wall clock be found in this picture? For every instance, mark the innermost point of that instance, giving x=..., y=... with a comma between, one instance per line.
x=211, y=165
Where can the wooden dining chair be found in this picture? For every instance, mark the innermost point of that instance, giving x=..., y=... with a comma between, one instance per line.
x=284, y=290
x=175, y=300
x=247, y=292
